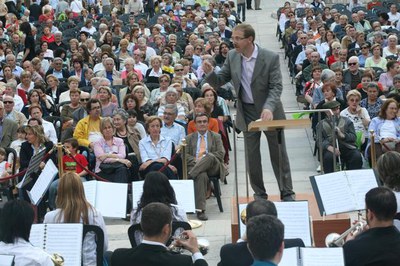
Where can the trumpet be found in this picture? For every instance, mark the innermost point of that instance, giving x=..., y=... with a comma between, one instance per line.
x=203, y=245
x=243, y=216
x=336, y=240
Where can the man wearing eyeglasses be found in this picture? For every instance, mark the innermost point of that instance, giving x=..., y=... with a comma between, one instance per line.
x=87, y=131
x=353, y=74
x=11, y=113
x=205, y=157
x=80, y=113
x=259, y=90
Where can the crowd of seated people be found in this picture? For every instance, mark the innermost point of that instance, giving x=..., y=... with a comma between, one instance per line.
x=358, y=42
x=123, y=84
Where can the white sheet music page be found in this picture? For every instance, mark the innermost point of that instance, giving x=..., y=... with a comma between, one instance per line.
x=322, y=256
x=361, y=181
x=6, y=260
x=65, y=240
x=36, y=237
x=296, y=218
x=184, y=192
x=90, y=191
x=335, y=193
x=43, y=182
x=290, y=257
x=137, y=191
x=111, y=199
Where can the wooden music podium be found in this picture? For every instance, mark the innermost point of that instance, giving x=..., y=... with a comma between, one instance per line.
x=321, y=226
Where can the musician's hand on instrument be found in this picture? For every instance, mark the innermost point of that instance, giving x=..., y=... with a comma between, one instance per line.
x=188, y=241
x=267, y=115
x=42, y=165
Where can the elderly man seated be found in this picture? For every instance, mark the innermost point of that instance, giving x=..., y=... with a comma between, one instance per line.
x=346, y=152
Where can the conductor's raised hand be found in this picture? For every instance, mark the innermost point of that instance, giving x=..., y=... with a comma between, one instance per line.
x=267, y=115
x=207, y=67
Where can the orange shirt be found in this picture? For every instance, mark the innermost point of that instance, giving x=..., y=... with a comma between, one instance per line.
x=212, y=126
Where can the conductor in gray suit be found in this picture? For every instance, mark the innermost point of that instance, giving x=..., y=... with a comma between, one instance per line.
x=256, y=77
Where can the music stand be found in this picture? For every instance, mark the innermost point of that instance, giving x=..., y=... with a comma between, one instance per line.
x=33, y=167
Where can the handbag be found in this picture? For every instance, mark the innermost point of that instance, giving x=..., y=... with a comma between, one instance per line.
x=110, y=168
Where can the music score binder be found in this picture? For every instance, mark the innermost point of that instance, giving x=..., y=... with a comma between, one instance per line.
x=343, y=191
x=294, y=215
x=63, y=239
x=312, y=257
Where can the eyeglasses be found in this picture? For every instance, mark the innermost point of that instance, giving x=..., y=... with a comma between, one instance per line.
x=84, y=99
x=8, y=102
x=199, y=48
x=177, y=70
x=168, y=113
x=95, y=108
x=352, y=64
x=237, y=39
x=354, y=100
x=164, y=80
x=365, y=47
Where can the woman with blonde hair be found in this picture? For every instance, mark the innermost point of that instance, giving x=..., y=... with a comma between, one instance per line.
x=72, y=207
x=35, y=142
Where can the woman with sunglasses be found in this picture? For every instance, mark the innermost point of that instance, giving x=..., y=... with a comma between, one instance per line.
x=364, y=54
x=334, y=57
x=358, y=115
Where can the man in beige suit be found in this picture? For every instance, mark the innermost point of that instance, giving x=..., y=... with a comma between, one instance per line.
x=256, y=76
x=205, y=157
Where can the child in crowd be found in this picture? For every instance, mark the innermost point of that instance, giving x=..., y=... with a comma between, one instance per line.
x=16, y=144
x=133, y=124
x=69, y=165
x=5, y=167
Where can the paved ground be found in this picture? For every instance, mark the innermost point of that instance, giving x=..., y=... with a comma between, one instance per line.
x=300, y=145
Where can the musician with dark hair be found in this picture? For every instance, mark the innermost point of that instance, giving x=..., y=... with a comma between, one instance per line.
x=238, y=254
x=156, y=223
x=265, y=239
x=16, y=219
x=380, y=243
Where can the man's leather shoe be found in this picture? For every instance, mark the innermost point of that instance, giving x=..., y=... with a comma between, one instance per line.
x=202, y=216
x=258, y=9
x=291, y=197
x=249, y=8
x=258, y=196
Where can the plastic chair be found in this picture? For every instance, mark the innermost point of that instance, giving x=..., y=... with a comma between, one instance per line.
x=99, y=241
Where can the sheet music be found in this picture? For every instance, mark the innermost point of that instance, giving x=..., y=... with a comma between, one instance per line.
x=36, y=237
x=290, y=257
x=66, y=240
x=137, y=191
x=90, y=191
x=184, y=192
x=111, y=199
x=32, y=167
x=295, y=216
x=6, y=260
x=361, y=181
x=335, y=193
x=43, y=182
x=322, y=256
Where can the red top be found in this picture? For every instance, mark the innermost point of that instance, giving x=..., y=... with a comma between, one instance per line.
x=70, y=165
